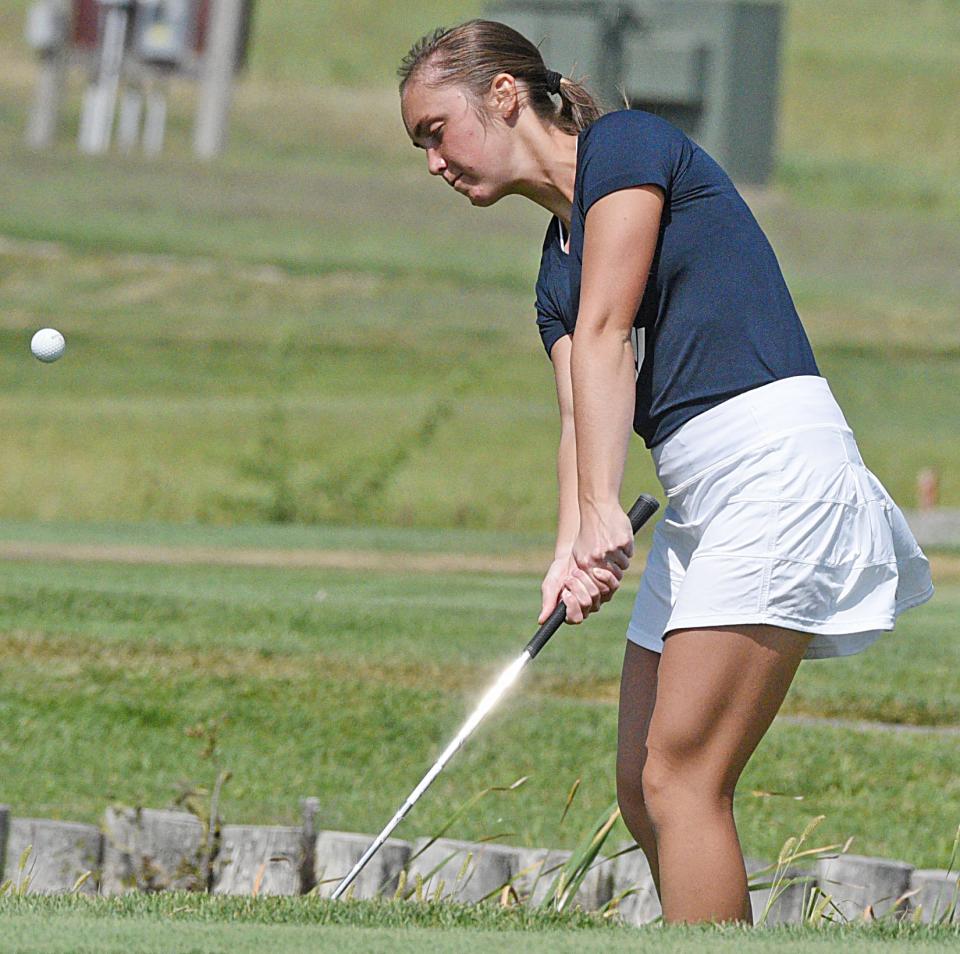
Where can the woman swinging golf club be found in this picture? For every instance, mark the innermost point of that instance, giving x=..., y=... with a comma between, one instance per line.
x=662, y=307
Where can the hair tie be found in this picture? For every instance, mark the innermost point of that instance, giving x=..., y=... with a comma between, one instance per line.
x=553, y=81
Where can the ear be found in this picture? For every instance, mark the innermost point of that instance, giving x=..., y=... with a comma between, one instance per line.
x=503, y=99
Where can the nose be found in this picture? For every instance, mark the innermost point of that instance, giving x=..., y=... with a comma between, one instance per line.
x=435, y=162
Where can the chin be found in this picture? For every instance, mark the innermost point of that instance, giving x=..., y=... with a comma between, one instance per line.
x=481, y=200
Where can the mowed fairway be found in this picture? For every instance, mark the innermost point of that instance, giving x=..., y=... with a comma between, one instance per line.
x=344, y=683
x=187, y=924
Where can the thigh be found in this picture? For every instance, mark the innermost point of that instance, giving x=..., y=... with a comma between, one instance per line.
x=638, y=693
x=718, y=691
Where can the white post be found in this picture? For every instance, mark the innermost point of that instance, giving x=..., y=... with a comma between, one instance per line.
x=156, y=120
x=216, y=84
x=100, y=100
x=42, y=129
x=47, y=34
x=128, y=125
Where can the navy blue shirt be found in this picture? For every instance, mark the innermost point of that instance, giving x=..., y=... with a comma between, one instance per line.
x=716, y=318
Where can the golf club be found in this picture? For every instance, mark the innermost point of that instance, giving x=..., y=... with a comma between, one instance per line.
x=640, y=513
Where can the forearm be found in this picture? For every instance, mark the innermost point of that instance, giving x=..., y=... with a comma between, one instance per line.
x=568, y=510
x=602, y=372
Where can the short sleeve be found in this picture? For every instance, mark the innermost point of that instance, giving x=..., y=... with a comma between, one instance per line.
x=551, y=329
x=626, y=149
x=552, y=284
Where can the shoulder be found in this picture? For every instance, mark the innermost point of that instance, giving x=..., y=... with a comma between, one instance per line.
x=629, y=148
x=626, y=125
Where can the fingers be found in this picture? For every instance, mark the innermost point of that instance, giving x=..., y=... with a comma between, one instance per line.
x=608, y=581
x=586, y=586
x=575, y=612
x=582, y=596
x=619, y=558
x=551, y=586
x=611, y=569
x=550, y=592
x=549, y=605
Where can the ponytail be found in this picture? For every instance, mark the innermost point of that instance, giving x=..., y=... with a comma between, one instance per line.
x=578, y=109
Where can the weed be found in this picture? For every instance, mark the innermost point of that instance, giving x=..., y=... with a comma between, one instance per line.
x=575, y=871
x=422, y=880
x=21, y=886
x=947, y=915
x=192, y=798
x=785, y=878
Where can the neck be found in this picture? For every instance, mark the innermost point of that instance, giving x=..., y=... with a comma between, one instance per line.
x=550, y=171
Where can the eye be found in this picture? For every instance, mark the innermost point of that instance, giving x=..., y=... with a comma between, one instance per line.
x=431, y=138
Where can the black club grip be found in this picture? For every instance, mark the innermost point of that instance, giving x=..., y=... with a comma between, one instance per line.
x=645, y=507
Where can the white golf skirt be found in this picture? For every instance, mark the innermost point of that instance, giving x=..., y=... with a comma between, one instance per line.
x=773, y=518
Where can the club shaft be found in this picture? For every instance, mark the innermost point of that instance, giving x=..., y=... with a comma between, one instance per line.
x=644, y=508
x=507, y=678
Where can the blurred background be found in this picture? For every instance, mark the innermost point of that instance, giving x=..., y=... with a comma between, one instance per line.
x=308, y=329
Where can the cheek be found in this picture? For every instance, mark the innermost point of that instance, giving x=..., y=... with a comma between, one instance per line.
x=472, y=149
x=496, y=157
x=468, y=148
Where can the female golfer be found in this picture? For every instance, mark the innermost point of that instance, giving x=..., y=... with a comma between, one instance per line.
x=662, y=307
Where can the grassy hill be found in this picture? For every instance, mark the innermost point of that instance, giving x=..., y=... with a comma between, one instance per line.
x=310, y=330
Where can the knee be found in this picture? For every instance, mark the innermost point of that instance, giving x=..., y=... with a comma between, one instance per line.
x=672, y=786
x=666, y=785
x=656, y=784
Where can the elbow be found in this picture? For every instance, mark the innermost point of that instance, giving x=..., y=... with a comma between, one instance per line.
x=604, y=326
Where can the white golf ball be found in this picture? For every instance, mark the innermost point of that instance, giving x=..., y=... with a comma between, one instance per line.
x=47, y=344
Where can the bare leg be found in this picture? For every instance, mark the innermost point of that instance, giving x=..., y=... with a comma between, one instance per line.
x=718, y=691
x=638, y=692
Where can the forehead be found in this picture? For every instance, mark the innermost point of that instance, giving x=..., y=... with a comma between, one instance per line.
x=422, y=104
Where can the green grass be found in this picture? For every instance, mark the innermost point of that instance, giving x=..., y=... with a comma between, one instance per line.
x=187, y=923
x=310, y=345
x=286, y=537
x=327, y=676
x=311, y=331
x=868, y=93
x=352, y=402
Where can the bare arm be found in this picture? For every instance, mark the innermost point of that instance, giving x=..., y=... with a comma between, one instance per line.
x=580, y=596
x=620, y=239
x=568, y=510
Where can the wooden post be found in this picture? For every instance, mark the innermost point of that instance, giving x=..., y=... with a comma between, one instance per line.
x=928, y=489
x=4, y=838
